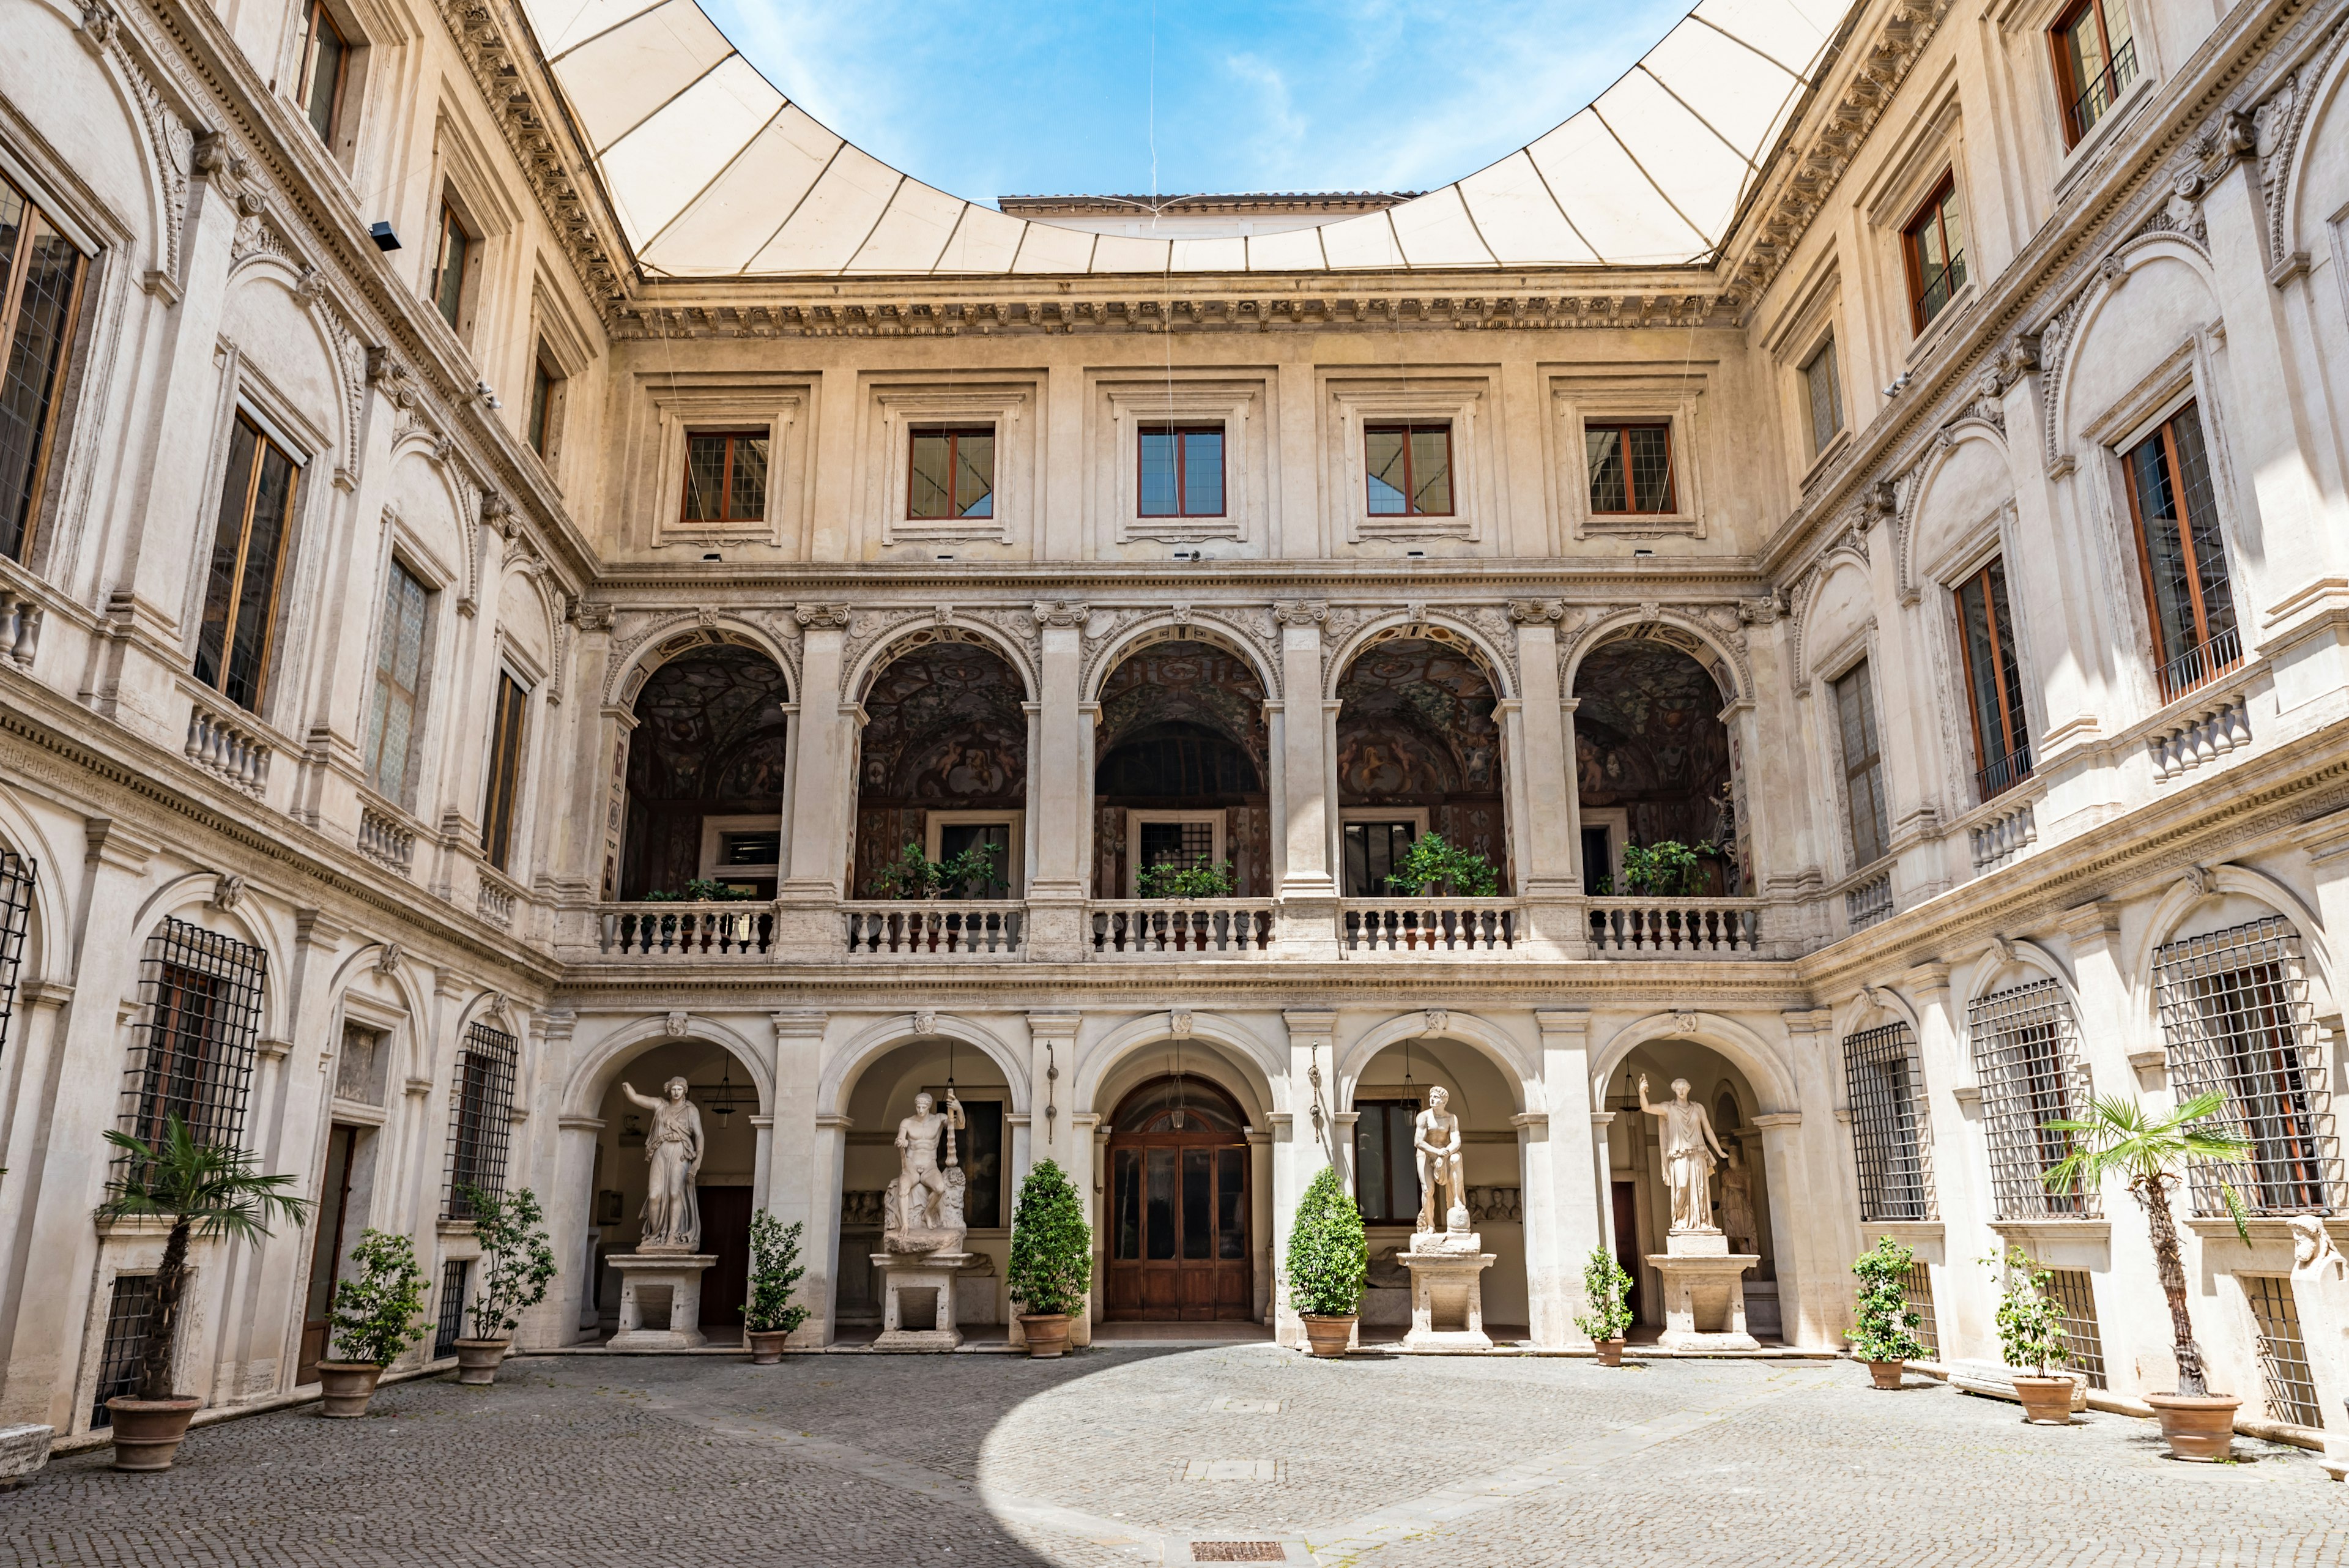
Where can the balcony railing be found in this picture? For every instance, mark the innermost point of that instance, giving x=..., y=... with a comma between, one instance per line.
x=971, y=928
x=1201, y=927
x=2007, y=773
x=2202, y=663
x=1430, y=925
x=687, y=930
x=386, y=840
x=228, y=748
x=1939, y=287
x=2103, y=90
x=1869, y=902
x=1690, y=925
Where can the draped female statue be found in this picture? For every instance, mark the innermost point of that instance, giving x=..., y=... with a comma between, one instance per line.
x=673, y=1151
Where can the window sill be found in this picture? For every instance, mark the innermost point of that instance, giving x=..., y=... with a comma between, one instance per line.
x=1638, y=525
x=2081, y=153
x=2049, y=1229
x=1837, y=444
x=1934, y=331
x=2264, y=1228
x=1906, y=1231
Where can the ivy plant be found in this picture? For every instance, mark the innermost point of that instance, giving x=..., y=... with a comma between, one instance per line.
x=516, y=1259
x=1884, y=1325
x=1605, y=1287
x=1200, y=879
x=379, y=1306
x=775, y=1271
x=1052, y=1266
x=1433, y=865
x=2030, y=1320
x=1329, y=1256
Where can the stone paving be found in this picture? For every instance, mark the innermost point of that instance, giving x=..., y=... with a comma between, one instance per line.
x=1139, y=1454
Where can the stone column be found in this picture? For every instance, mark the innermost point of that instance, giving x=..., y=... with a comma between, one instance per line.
x=821, y=1290
x=1807, y=1171
x=1301, y=1143
x=1800, y=1316
x=799, y=1164
x=1060, y=790
x=823, y=795
x=1307, y=888
x=1565, y=1214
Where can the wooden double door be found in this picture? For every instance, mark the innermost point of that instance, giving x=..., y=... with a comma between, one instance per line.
x=1179, y=1244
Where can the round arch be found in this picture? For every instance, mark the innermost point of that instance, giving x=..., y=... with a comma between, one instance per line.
x=2312, y=108
x=1197, y=627
x=1435, y=625
x=193, y=890
x=413, y=1001
x=1862, y=1008
x=1525, y=1083
x=21, y=832
x=845, y=1065
x=2063, y=432
x=681, y=635
x=265, y=266
x=1752, y=1054
x=1970, y=431
x=591, y=1077
x=1260, y=1066
x=2188, y=893
x=954, y=628
x=1726, y=666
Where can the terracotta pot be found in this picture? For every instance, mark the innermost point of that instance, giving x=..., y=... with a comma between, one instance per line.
x=1327, y=1333
x=2046, y=1401
x=348, y=1387
x=1611, y=1352
x=2200, y=1428
x=477, y=1360
x=1887, y=1373
x=1047, y=1334
x=766, y=1344
x=147, y=1432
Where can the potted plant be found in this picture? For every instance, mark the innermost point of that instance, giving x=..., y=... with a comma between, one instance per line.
x=1431, y=866
x=1605, y=1287
x=516, y=1263
x=1200, y=879
x=1051, y=1267
x=770, y=1314
x=1884, y=1325
x=1666, y=869
x=2151, y=1153
x=2031, y=1335
x=1328, y=1259
x=202, y=1190
x=377, y=1312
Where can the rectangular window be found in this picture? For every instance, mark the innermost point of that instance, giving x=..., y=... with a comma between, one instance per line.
x=40, y=295
x=505, y=770
x=325, y=54
x=1373, y=849
x=1183, y=844
x=2027, y=1057
x=481, y=1117
x=450, y=253
x=725, y=476
x=2235, y=1019
x=1917, y=1290
x=249, y=551
x=1181, y=471
x=448, y=1326
x=545, y=392
x=17, y=874
x=1631, y=468
x=2182, y=556
x=130, y=1320
x=961, y=837
x=1993, y=681
x=2096, y=61
x=1863, y=768
x=1409, y=468
x=398, y=684
x=2291, y=1386
x=200, y=994
x=1886, y=1081
x=1934, y=243
x=1386, y=1167
x=951, y=474
x=1824, y=394
x=2084, y=1342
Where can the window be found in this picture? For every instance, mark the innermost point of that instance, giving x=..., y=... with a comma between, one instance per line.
x=41, y=292
x=17, y=874
x=1934, y=242
x=324, y=56
x=1887, y=1085
x=480, y=1119
x=1374, y=850
x=2076, y=1306
x=129, y=1322
x=450, y=257
x=200, y=994
x=1863, y=768
x=545, y=402
x=1409, y=468
x=1180, y=839
x=1386, y=1165
x=1917, y=1293
x=505, y=770
x=1993, y=681
x=256, y=510
x=449, y=1325
x=958, y=833
x=2291, y=1386
x=1630, y=467
x=2181, y=555
x=398, y=684
x=2235, y=1019
x=1181, y=471
x=1824, y=394
x=2096, y=61
x=2027, y=1058
x=952, y=473
x=725, y=477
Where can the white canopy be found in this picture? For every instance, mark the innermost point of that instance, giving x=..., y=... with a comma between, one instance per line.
x=716, y=174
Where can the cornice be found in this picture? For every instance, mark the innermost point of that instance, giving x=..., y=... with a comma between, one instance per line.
x=1729, y=576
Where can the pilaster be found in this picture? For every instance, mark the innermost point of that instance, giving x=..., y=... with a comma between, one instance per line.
x=1565, y=1178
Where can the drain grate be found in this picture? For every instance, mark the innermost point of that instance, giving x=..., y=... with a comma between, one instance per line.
x=1238, y=1551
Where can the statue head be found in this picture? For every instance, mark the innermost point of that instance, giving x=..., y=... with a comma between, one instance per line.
x=921, y=1104
x=1680, y=1089
x=675, y=1088
x=1735, y=1153
x=1437, y=1097
x=2307, y=1239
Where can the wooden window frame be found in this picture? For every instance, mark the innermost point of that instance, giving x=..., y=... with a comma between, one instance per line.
x=317, y=15
x=1407, y=429
x=955, y=435
x=385, y=688
x=26, y=523
x=1182, y=470
x=1931, y=211
x=453, y=221
x=2166, y=434
x=2069, y=91
x=509, y=728
x=2016, y=726
x=1397, y=1161
x=724, y=479
x=232, y=614
x=1631, y=508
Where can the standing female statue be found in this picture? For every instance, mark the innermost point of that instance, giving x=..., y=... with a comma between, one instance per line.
x=673, y=1151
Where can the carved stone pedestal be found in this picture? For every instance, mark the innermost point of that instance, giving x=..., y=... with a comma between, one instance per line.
x=676, y=1274
x=1704, y=1291
x=917, y=1300
x=1447, y=1291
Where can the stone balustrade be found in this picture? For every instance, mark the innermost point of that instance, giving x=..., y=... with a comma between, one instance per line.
x=229, y=747
x=2201, y=735
x=685, y=930
x=386, y=840
x=20, y=628
x=1869, y=901
x=1189, y=927
x=1430, y=925
x=965, y=927
x=2003, y=837
x=1650, y=926
x=494, y=903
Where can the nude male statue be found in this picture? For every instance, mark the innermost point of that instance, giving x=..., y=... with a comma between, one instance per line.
x=1689, y=1150
x=921, y=1185
x=1435, y=1134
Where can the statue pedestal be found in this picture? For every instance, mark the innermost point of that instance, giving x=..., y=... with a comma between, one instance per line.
x=917, y=1300
x=1704, y=1291
x=1447, y=1291
x=679, y=1275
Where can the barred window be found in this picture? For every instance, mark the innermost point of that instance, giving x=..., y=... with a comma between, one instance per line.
x=1886, y=1082
x=2027, y=1055
x=481, y=1118
x=1917, y=1290
x=129, y=1319
x=2283, y=1355
x=17, y=874
x=2236, y=1018
x=200, y=997
x=450, y=1326
x=2084, y=1345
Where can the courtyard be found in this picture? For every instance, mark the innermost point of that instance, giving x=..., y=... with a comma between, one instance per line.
x=1152, y=1454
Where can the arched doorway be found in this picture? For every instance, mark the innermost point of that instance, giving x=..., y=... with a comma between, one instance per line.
x=942, y=765
x=1418, y=753
x=706, y=767
x=1654, y=765
x=1180, y=1244
x=1182, y=754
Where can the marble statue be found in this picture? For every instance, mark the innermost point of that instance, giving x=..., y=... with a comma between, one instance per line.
x=673, y=1152
x=1690, y=1148
x=1435, y=1134
x=922, y=1210
x=1737, y=1201
x=2320, y=1288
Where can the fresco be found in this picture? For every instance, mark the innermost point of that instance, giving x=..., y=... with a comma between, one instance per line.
x=944, y=727
x=1181, y=725
x=1648, y=737
x=709, y=741
x=1416, y=728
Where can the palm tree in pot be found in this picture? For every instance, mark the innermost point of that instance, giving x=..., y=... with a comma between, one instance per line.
x=2152, y=1153
x=202, y=1190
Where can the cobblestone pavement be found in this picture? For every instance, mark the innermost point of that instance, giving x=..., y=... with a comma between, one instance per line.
x=1134, y=1455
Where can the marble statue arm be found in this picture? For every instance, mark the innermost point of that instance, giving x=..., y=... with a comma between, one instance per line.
x=646, y=1101
x=1704, y=1120
x=1652, y=1110
x=954, y=1112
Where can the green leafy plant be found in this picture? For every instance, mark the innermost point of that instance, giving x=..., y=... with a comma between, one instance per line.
x=204, y=1189
x=1329, y=1256
x=378, y=1308
x=1884, y=1325
x=2151, y=1154
x=1604, y=1286
x=914, y=874
x=1052, y=1266
x=973, y=871
x=1200, y=879
x=1435, y=866
x=775, y=1271
x=516, y=1259
x=1667, y=869
x=701, y=890
x=2030, y=1320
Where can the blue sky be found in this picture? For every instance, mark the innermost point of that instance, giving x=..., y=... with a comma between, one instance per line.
x=987, y=99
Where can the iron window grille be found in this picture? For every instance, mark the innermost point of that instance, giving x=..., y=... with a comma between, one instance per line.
x=16, y=876
x=2083, y=1345
x=200, y=997
x=130, y=1320
x=1889, y=1128
x=480, y=1121
x=2283, y=1354
x=2236, y=1018
x=450, y=1326
x=1917, y=1291
x=2026, y=1054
